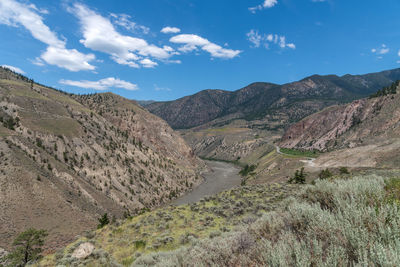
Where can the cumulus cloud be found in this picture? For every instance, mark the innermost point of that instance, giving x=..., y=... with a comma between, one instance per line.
x=266, y=39
x=69, y=59
x=383, y=49
x=15, y=69
x=124, y=21
x=147, y=63
x=170, y=30
x=103, y=84
x=100, y=35
x=13, y=13
x=264, y=5
x=193, y=42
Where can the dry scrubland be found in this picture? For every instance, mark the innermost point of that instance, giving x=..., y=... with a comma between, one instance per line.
x=339, y=222
x=65, y=160
x=170, y=227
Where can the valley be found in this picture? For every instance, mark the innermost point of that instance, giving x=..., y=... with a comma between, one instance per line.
x=168, y=190
x=199, y=133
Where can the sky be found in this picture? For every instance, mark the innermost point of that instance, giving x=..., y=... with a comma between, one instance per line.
x=166, y=49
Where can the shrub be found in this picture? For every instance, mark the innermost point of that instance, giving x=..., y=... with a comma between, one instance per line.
x=139, y=244
x=299, y=177
x=324, y=174
x=339, y=223
x=344, y=170
x=103, y=221
x=247, y=170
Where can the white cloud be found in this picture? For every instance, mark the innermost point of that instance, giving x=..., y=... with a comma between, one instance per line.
x=192, y=42
x=254, y=38
x=15, y=69
x=100, y=35
x=170, y=30
x=69, y=59
x=103, y=84
x=257, y=39
x=381, y=50
x=264, y=5
x=157, y=88
x=147, y=63
x=124, y=21
x=291, y=45
x=15, y=14
x=398, y=53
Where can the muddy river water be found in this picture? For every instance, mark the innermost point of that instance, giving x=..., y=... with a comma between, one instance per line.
x=222, y=176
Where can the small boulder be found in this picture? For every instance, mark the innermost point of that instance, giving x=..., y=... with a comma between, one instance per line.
x=83, y=250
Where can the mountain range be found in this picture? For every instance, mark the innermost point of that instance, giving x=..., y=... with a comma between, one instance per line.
x=276, y=106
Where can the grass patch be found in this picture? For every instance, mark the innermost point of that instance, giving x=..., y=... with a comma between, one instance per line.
x=299, y=153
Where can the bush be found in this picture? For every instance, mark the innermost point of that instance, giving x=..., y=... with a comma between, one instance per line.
x=299, y=177
x=324, y=174
x=248, y=169
x=344, y=170
x=103, y=221
x=139, y=244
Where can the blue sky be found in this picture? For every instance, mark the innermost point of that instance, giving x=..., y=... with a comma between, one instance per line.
x=166, y=49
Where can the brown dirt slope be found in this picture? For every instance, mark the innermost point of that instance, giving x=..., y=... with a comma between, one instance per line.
x=65, y=159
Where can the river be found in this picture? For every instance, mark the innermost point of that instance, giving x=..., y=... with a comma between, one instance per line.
x=222, y=176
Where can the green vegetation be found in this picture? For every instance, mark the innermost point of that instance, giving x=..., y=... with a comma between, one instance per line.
x=248, y=169
x=27, y=247
x=171, y=227
x=344, y=170
x=10, y=123
x=391, y=89
x=235, y=162
x=299, y=177
x=325, y=174
x=339, y=223
x=300, y=153
x=103, y=221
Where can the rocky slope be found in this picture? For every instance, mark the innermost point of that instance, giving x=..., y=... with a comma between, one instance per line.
x=276, y=105
x=361, y=122
x=65, y=159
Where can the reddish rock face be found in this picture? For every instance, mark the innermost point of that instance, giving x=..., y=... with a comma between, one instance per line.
x=345, y=125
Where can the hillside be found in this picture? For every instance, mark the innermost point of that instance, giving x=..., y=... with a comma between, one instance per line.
x=276, y=105
x=258, y=225
x=67, y=159
x=348, y=125
x=364, y=133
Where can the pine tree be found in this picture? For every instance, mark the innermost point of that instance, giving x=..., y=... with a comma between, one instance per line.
x=27, y=247
x=103, y=221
